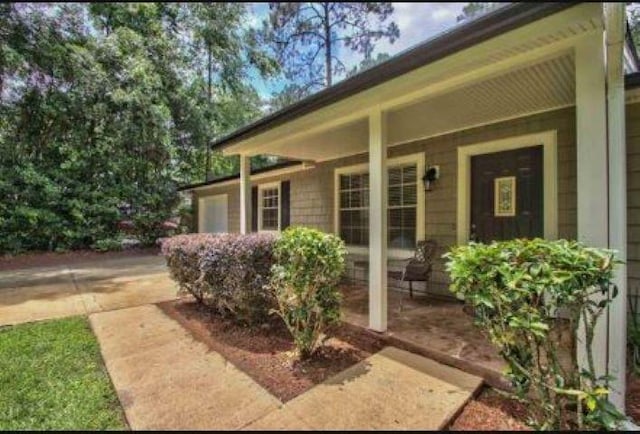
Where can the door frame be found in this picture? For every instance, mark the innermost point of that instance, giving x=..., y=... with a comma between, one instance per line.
x=201, y=209
x=549, y=142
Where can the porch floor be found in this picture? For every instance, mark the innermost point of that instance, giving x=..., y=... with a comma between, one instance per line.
x=436, y=325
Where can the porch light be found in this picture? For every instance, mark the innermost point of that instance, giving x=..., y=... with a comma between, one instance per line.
x=430, y=175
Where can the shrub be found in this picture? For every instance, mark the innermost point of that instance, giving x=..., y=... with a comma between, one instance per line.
x=227, y=272
x=309, y=264
x=516, y=287
x=633, y=332
x=107, y=244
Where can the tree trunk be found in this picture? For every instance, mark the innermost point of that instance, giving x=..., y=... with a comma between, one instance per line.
x=207, y=147
x=327, y=44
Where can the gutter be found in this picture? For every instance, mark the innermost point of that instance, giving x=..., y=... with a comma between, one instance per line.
x=483, y=28
x=264, y=171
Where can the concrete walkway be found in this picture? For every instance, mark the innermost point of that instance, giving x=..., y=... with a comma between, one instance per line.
x=42, y=293
x=391, y=390
x=167, y=380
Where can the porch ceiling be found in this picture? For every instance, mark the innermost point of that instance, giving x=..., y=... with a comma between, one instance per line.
x=526, y=70
x=542, y=86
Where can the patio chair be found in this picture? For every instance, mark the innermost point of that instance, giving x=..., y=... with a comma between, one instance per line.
x=418, y=268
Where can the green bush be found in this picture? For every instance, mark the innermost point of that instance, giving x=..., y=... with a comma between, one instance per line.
x=633, y=333
x=516, y=287
x=229, y=273
x=309, y=264
x=107, y=244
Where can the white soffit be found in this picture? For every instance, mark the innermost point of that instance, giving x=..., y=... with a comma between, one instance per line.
x=540, y=87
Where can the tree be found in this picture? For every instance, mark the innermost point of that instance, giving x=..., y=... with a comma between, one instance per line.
x=475, y=9
x=223, y=51
x=633, y=16
x=309, y=38
x=103, y=110
x=368, y=63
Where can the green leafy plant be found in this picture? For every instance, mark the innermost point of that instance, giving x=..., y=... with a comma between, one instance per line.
x=633, y=333
x=517, y=289
x=107, y=244
x=308, y=267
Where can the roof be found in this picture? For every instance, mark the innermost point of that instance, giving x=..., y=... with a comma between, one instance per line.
x=463, y=36
x=215, y=181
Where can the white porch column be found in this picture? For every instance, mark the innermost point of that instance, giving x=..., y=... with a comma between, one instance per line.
x=245, y=194
x=377, y=221
x=615, y=26
x=592, y=168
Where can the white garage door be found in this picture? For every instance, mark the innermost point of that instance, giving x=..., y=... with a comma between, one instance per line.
x=212, y=214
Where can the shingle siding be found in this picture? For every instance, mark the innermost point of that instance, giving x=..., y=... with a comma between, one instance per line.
x=633, y=197
x=312, y=190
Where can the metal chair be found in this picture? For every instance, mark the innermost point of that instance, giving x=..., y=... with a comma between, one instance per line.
x=418, y=268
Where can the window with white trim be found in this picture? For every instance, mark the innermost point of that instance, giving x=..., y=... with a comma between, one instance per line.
x=269, y=208
x=354, y=209
x=402, y=207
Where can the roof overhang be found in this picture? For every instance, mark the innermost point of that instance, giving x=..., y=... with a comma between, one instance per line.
x=543, y=41
x=460, y=38
x=256, y=174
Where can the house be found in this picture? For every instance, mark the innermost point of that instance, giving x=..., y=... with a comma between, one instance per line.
x=530, y=116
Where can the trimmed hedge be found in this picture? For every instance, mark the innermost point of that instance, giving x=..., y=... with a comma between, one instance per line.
x=227, y=272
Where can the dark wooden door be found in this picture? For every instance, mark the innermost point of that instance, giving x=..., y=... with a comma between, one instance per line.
x=515, y=179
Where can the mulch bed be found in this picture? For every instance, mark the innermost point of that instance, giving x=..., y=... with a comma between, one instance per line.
x=491, y=411
x=50, y=259
x=266, y=353
x=633, y=397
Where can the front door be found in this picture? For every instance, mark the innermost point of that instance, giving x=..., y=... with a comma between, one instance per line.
x=507, y=195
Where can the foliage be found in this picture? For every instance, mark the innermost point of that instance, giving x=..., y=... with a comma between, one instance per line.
x=633, y=332
x=309, y=264
x=633, y=18
x=52, y=378
x=107, y=244
x=475, y=9
x=309, y=38
x=226, y=272
x=516, y=288
x=368, y=63
x=105, y=106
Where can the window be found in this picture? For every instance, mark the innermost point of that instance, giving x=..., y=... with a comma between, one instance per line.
x=354, y=209
x=269, y=208
x=403, y=203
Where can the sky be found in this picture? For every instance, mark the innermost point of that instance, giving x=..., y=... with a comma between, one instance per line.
x=416, y=21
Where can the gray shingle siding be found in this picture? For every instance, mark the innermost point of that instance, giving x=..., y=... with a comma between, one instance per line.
x=312, y=190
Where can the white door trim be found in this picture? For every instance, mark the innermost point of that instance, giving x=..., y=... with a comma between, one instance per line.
x=548, y=140
x=201, y=209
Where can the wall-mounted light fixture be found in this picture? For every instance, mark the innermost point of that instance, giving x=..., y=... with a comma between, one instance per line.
x=431, y=174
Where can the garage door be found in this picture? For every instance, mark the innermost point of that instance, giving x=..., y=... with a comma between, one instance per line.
x=213, y=214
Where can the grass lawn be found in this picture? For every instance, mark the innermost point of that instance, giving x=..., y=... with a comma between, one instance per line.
x=52, y=377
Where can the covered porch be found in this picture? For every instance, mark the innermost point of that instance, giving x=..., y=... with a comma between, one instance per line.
x=541, y=85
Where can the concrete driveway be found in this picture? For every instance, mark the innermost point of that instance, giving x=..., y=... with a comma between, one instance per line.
x=53, y=292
